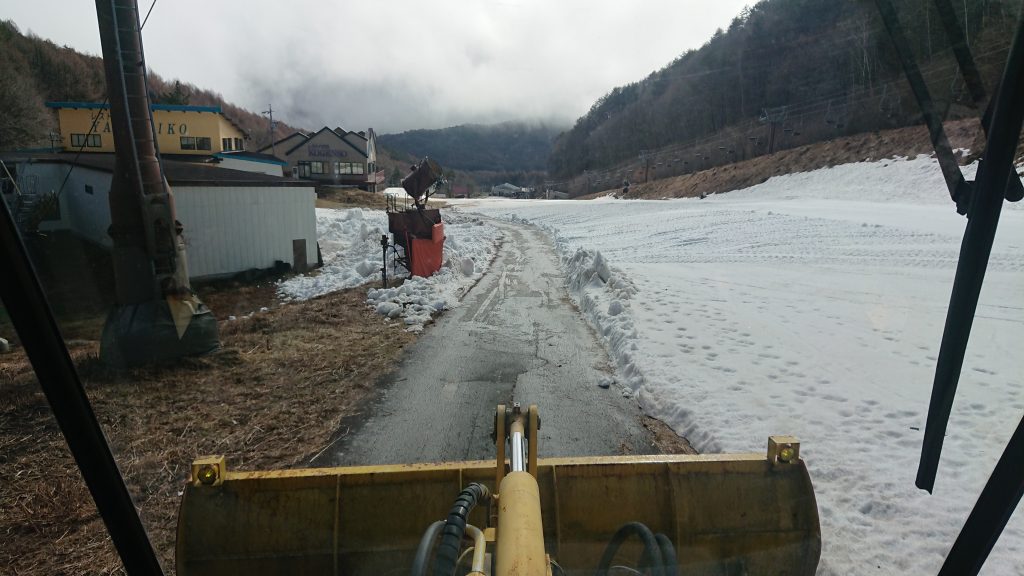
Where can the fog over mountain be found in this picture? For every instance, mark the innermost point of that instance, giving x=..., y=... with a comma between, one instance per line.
x=400, y=65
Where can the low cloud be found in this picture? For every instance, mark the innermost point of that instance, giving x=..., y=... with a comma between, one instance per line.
x=402, y=64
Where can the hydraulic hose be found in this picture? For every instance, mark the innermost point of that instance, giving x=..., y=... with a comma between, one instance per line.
x=651, y=558
x=668, y=555
x=479, y=549
x=419, y=563
x=455, y=528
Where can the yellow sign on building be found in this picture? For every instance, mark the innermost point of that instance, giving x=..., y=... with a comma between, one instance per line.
x=86, y=127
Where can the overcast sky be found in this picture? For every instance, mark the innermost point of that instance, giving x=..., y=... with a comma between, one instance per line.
x=401, y=64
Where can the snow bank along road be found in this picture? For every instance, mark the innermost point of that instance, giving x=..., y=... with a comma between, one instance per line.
x=812, y=304
x=514, y=337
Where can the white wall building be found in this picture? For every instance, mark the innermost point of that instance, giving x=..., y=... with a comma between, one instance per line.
x=234, y=221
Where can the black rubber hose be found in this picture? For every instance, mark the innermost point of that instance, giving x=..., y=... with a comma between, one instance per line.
x=668, y=555
x=651, y=557
x=455, y=528
x=419, y=563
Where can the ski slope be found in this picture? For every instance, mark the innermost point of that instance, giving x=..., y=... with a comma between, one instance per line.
x=812, y=304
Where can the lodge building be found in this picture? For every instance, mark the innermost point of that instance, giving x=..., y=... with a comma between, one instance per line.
x=331, y=156
x=205, y=134
x=180, y=129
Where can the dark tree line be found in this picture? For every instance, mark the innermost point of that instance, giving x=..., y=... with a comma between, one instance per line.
x=505, y=147
x=827, y=66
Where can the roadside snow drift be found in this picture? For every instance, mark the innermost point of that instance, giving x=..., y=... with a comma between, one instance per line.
x=812, y=304
x=350, y=244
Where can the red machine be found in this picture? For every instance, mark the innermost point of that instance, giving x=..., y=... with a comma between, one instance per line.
x=418, y=230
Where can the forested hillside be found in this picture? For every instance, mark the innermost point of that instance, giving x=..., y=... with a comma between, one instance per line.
x=817, y=68
x=34, y=71
x=505, y=147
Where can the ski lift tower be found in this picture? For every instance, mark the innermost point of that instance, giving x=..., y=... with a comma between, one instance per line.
x=773, y=117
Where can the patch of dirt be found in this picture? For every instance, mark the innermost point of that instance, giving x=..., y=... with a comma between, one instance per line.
x=909, y=141
x=271, y=397
x=331, y=197
x=665, y=438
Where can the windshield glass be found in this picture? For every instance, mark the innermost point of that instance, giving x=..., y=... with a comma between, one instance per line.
x=676, y=229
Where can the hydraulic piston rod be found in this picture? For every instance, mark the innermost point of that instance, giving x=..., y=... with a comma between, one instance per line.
x=520, y=542
x=518, y=442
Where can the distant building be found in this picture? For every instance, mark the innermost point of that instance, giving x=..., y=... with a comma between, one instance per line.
x=331, y=156
x=189, y=130
x=507, y=190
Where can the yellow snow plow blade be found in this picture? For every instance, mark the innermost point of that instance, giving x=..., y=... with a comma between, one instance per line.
x=725, y=513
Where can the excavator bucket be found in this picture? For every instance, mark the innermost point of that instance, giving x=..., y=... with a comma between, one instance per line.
x=725, y=514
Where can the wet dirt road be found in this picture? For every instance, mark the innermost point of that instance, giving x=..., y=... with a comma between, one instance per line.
x=516, y=337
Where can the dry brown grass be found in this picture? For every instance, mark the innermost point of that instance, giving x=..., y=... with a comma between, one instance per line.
x=272, y=396
x=349, y=198
x=355, y=198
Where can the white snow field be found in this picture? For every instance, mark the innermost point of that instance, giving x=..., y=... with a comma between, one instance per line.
x=812, y=304
x=350, y=245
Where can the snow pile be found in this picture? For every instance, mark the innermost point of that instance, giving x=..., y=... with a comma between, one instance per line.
x=603, y=295
x=812, y=304
x=350, y=243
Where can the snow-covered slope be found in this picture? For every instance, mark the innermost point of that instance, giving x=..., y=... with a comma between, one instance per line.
x=812, y=304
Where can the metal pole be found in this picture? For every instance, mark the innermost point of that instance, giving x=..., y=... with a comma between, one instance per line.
x=30, y=313
x=270, y=112
x=992, y=511
x=959, y=190
x=983, y=217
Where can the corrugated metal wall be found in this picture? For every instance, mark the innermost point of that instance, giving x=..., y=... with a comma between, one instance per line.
x=231, y=229
x=228, y=229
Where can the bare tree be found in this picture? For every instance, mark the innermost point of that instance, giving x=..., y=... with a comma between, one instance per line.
x=23, y=118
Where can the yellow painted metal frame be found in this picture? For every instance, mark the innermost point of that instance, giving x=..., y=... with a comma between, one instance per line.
x=726, y=513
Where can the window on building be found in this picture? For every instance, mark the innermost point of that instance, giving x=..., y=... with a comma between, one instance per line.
x=304, y=169
x=239, y=145
x=202, y=143
x=188, y=143
x=86, y=140
x=225, y=144
x=344, y=168
x=317, y=168
x=357, y=168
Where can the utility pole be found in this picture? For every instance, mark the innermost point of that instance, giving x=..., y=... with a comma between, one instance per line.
x=270, y=113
